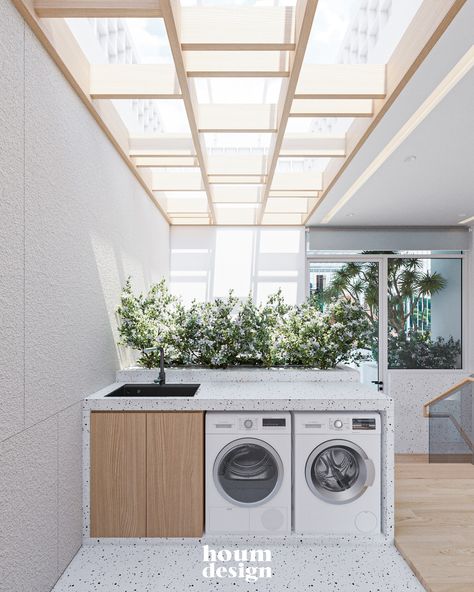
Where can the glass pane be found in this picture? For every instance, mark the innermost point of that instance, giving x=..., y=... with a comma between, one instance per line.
x=424, y=313
x=335, y=469
x=248, y=473
x=450, y=427
x=356, y=282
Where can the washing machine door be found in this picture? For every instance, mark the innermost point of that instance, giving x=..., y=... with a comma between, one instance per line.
x=248, y=472
x=339, y=471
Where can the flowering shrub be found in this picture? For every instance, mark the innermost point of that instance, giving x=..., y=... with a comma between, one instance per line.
x=318, y=339
x=230, y=332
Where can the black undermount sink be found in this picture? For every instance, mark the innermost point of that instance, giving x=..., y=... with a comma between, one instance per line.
x=155, y=390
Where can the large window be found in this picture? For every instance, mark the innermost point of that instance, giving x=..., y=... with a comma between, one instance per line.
x=422, y=312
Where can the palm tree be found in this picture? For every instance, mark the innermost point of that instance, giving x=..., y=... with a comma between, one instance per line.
x=407, y=286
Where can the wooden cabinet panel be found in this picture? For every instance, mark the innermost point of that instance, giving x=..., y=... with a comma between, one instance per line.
x=175, y=474
x=118, y=474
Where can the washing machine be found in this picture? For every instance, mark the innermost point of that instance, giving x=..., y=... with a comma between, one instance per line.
x=248, y=472
x=337, y=476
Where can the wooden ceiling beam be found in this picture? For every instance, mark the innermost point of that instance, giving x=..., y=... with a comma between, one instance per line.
x=332, y=108
x=237, y=64
x=280, y=219
x=237, y=28
x=162, y=181
x=97, y=8
x=161, y=145
x=237, y=118
x=130, y=81
x=165, y=161
x=308, y=145
x=297, y=181
x=282, y=193
x=287, y=205
x=341, y=81
x=236, y=164
x=174, y=20
x=237, y=179
x=303, y=15
x=233, y=193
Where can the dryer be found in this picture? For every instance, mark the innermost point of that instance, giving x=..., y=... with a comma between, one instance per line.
x=248, y=472
x=337, y=480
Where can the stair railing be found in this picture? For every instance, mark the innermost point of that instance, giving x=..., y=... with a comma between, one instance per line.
x=451, y=423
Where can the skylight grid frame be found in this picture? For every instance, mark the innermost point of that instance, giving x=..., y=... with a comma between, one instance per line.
x=266, y=54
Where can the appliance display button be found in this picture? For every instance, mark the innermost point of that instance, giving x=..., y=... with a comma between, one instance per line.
x=248, y=423
x=338, y=424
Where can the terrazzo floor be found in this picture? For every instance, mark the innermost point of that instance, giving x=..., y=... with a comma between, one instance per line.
x=177, y=567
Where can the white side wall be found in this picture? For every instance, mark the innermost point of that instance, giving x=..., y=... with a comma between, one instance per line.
x=206, y=262
x=74, y=223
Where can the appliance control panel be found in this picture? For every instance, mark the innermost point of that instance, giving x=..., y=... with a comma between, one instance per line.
x=248, y=423
x=336, y=422
x=339, y=423
x=363, y=423
x=252, y=423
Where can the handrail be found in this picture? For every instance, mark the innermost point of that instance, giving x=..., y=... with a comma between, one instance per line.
x=451, y=390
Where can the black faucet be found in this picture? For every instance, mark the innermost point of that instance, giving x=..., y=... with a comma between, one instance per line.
x=162, y=375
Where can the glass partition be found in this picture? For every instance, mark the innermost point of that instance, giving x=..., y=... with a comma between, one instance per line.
x=451, y=426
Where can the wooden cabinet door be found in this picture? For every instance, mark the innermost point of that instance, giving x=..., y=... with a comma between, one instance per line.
x=175, y=474
x=118, y=474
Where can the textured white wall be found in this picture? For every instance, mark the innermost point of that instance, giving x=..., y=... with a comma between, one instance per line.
x=74, y=223
x=206, y=262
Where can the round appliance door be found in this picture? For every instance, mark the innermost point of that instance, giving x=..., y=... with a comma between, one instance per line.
x=248, y=472
x=339, y=471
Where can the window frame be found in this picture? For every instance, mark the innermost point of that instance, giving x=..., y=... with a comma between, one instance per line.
x=383, y=260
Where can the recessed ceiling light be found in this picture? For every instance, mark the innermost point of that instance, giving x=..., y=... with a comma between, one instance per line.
x=351, y=215
x=410, y=158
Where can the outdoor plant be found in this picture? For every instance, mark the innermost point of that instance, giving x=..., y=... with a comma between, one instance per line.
x=310, y=337
x=410, y=344
x=230, y=332
x=419, y=350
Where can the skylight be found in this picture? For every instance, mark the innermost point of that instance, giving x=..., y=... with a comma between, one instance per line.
x=240, y=122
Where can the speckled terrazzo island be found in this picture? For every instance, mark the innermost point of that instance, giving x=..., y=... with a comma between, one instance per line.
x=262, y=390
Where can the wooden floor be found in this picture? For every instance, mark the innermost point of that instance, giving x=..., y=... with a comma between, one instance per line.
x=434, y=516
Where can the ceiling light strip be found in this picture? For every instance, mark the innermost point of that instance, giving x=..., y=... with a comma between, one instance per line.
x=441, y=91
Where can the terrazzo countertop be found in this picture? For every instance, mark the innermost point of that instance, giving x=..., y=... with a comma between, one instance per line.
x=219, y=396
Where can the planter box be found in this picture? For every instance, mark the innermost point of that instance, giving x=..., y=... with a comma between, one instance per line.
x=242, y=374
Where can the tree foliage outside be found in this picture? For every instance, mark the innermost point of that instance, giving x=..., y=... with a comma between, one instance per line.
x=410, y=287
x=230, y=332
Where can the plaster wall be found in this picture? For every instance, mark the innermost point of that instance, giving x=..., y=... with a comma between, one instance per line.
x=74, y=223
x=206, y=262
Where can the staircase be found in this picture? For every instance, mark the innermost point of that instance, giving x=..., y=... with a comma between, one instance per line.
x=451, y=431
